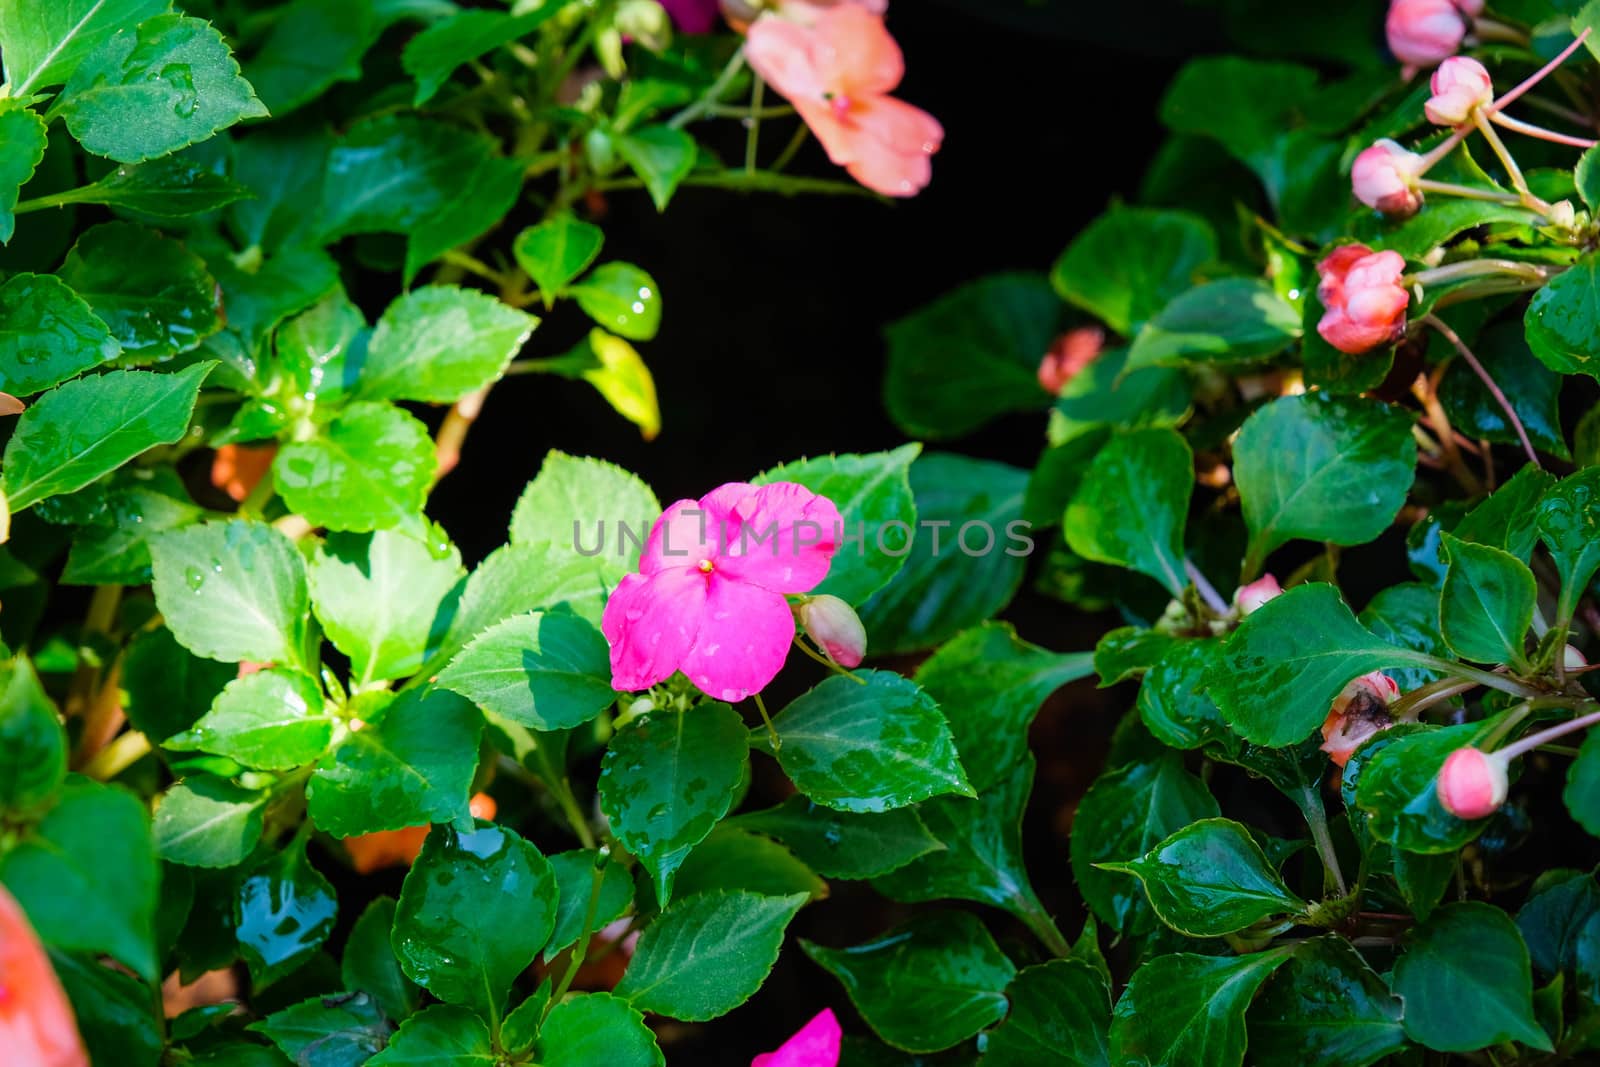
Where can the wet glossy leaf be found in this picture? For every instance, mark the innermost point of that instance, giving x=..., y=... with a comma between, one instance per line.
x=1235, y=320
x=733, y=858
x=390, y=173
x=328, y=1031
x=1209, y=879
x=1399, y=787
x=285, y=168
x=439, y=343
x=1407, y=615
x=33, y=746
x=208, y=822
x=1127, y=264
x=311, y=46
x=413, y=765
x=1173, y=703
x=970, y=356
x=1321, y=468
x=1128, y=652
x=434, y=54
x=44, y=44
x=667, y=778
x=1487, y=604
x=168, y=687
x=476, y=908
x=50, y=335
x=1465, y=980
x=556, y=251
x=87, y=428
x=273, y=719
x=927, y=985
x=661, y=156
x=142, y=503
x=868, y=748
x=1182, y=1009
x=173, y=187
x=1508, y=518
x=838, y=844
x=1533, y=390
x=1327, y=1007
x=442, y=1035
x=286, y=911
x=1131, y=507
x=1563, y=320
x=232, y=591
x=1060, y=1014
x=23, y=139
x=154, y=294
x=621, y=298
x=707, y=954
x=1569, y=526
x=369, y=964
x=546, y=671
x=156, y=88
x=584, y=505
x=596, y=1030
x=574, y=873
x=370, y=468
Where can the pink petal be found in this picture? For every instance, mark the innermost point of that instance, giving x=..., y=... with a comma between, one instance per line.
x=682, y=537
x=781, y=537
x=650, y=621
x=893, y=148
x=744, y=638
x=857, y=56
x=781, y=52
x=816, y=1044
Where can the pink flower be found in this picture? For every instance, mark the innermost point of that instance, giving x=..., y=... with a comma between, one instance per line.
x=1069, y=356
x=1360, y=710
x=838, y=72
x=1460, y=86
x=816, y=1044
x=692, y=16
x=1247, y=598
x=1472, y=784
x=1364, y=300
x=835, y=626
x=1384, y=176
x=1423, y=32
x=709, y=596
x=37, y=1028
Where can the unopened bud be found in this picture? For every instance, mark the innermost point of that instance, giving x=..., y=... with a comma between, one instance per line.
x=1460, y=86
x=835, y=626
x=1069, y=355
x=1563, y=215
x=1472, y=784
x=1572, y=659
x=645, y=21
x=1384, y=176
x=1247, y=598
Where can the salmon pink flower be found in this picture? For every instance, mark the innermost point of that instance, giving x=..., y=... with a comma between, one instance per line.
x=816, y=1044
x=1472, y=783
x=1069, y=356
x=1421, y=33
x=1248, y=598
x=237, y=469
x=1364, y=301
x=1385, y=176
x=1460, y=86
x=1359, y=711
x=838, y=72
x=709, y=596
x=37, y=1028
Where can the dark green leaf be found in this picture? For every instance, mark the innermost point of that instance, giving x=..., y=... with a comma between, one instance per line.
x=286, y=912
x=390, y=173
x=1131, y=507
x=1508, y=518
x=173, y=187
x=328, y=1031
x=1128, y=263
x=575, y=872
x=118, y=1015
x=1533, y=390
x=1569, y=525
x=1487, y=604
x=311, y=46
x=1398, y=786
x=369, y=964
x=33, y=746
x=50, y=334
x=840, y=844
x=1173, y=702
x=153, y=293
x=1325, y=1007
x=1060, y=1014
x=1466, y=983
x=1182, y=1009
x=733, y=858
x=1563, y=320
x=1235, y=320
x=1582, y=793
x=1553, y=921
x=442, y=1036
x=596, y=1030
x=487, y=196
x=434, y=54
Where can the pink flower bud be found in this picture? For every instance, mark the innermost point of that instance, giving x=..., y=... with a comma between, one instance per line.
x=1364, y=302
x=1472, y=784
x=1423, y=32
x=834, y=625
x=1460, y=86
x=1572, y=659
x=1384, y=176
x=1069, y=356
x=1247, y=598
x=1359, y=711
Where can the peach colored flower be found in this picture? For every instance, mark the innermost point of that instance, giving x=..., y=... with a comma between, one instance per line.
x=1364, y=301
x=400, y=848
x=838, y=73
x=237, y=469
x=37, y=1027
x=1359, y=711
x=1069, y=356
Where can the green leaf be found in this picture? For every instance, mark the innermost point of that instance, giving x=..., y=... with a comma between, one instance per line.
x=286, y=912
x=1569, y=526
x=86, y=875
x=1533, y=390
x=370, y=468
x=328, y=1031
x=391, y=173
x=619, y=374
x=1210, y=879
x=1398, y=786
x=575, y=499
x=1563, y=320
x=151, y=90
x=383, y=599
x=733, y=858
x=1407, y=615
x=1582, y=792
x=989, y=683
x=1326, y=1007
x=1128, y=263
x=1446, y=218
x=413, y=765
x=153, y=293
x=118, y=1015
x=596, y=1030
x=438, y=51
x=1131, y=508
x=439, y=343
x=970, y=356
x=707, y=954
x=369, y=964
x=868, y=748
x=927, y=985
x=1587, y=177
x=273, y=720
x=839, y=844
x=286, y=168
x=1173, y=702
x=556, y=251
x=1235, y=320
x=546, y=671
x=232, y=591
x=208, y=822
x=870, y=491
x=322, y=348
x=1128, y=652
x=1553, y=922
x=1243, y=103
x=940, y=592
x=1122, y=816
x=488, y=196
x=1321, y=468
x=50, y=335
x=517, y=579
x=311, y=46
x=442, y=1036
x=172, y=187
x=1183, y=1009
x=475, y=910
x=23, y=139
x=1060, y=1014
x=661, y=156
x=667, y=779
x=33, y=746
x=1101, y=395
x=143, y=502
x=1466, y=982
x=1487, y=603
x=44, y=43
x=575, y=873
x=622, y=298
x=87, y=428
x=1282, y=668
x=1509, y=517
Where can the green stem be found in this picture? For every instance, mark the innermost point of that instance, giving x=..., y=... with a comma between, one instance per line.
x=828, y=663
x=1475, y=674
x=752, y=139
x=581, y=950
x=1310, y=804
x=787, y=155
x=557, y=784
x=760, y=181
x=772, y=731
x=713, y=95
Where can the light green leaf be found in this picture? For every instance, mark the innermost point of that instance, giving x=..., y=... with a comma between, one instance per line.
x=732, y=858
x=580, y=504
x=439, y=343
x=22, y=144
x=33, y=745
x=391, y=173
x=44, y=43
x=153, y=293
x=272, y=719
x=1132, y=505
x=546, y=671
x=661, y=156
x=596, y=1030
x=369, y=469
x=621, y=298
x=208, y=822
x=556, y=251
